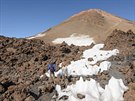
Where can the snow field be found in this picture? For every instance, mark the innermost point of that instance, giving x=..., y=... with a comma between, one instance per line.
x=93, y=91
x=90, y=89
x=82, y=40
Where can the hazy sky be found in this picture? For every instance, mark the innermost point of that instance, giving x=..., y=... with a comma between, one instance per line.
x=23, y=18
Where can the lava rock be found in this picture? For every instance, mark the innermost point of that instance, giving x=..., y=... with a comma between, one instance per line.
x=80, y=96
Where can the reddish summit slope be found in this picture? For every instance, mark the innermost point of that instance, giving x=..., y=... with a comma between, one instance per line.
x=95, y=23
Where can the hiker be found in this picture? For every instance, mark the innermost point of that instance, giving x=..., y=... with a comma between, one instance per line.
x=52, y=69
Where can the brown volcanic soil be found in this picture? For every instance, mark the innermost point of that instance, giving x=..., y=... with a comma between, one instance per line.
x=23, y=61
x=95, y=23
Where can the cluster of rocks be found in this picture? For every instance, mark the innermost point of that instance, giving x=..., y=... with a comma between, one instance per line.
x=124, y=42
x=123, y=65
x=23, y=61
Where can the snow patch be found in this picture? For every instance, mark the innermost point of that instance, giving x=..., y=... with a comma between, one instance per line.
x=41, y=76
x=38, y=35
x=97, y=54
x=85, y=67
x=114, y=90
x=82, y=40
x=93, y=91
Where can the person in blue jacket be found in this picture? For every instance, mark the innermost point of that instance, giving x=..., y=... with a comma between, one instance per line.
x=52, y=69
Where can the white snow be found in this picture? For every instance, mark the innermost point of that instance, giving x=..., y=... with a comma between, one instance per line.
x=41, y=76
x=85, y=67
x=82, y=40
x=97, y=54
x=82, y=67
x=114, y=90
x=38, y=35
x=93, y=91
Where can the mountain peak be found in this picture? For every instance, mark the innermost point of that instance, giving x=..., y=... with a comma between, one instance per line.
x=88, y=12
x=94, y=10
x=95, y=23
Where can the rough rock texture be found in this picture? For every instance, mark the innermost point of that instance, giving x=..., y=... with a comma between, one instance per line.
x=124, y=42
x=23, y=61
x=130, y=94
x=123, y=65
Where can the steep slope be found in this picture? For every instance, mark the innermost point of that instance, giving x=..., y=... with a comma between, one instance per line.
x=95, y=23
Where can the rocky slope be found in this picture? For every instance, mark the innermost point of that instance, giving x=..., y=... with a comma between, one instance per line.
x=96, y=23
x=124, y=62
x=23, y=61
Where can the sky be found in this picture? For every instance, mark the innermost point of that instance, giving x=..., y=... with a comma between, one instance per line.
x=24, y=18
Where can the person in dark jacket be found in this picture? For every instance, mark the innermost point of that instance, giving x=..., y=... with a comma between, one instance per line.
x=52, y=69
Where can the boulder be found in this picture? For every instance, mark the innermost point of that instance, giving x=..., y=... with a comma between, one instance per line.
x=2, y=89
x=80, y=96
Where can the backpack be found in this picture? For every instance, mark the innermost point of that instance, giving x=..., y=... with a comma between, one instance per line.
x=52, y=67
